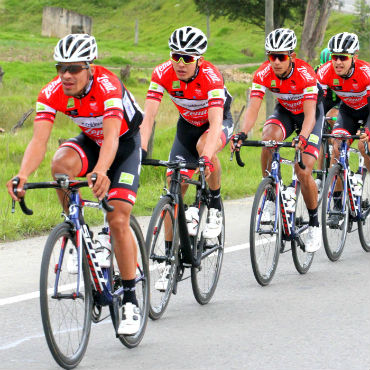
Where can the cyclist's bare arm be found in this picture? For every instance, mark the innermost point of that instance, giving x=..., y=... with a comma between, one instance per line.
x=250, y=117
x=215, y=118
x=108, y=151
x=150, y=112
x=33, y=155
x=251, y=114
x=309, y=110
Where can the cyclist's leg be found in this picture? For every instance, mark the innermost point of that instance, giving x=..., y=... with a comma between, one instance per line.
x=75, y=158
x=124, y=175
x=278, y=127
x=361, y=146
x=214, y=223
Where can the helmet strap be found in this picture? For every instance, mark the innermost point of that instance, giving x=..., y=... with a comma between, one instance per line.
x=350, y=70
x=87, y=87
x=195, y=73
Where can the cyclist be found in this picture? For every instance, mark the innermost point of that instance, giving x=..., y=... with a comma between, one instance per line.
x=349, y=77
x=294, y=83
x=331, y=106
x=205, y=124
x=109, y=146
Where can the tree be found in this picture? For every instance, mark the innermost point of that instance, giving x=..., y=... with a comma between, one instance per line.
x=314, y=26
x=253, y=11
x=313, y=14
x=361, y=24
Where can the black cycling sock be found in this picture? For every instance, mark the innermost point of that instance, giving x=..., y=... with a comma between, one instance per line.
x=337, y=197
x=215, y=201
x=319, y=176
x=167, y=246
x=129, y=292
x=314, y=217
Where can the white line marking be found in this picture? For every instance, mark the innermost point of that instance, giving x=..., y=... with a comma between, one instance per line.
x=34, y=295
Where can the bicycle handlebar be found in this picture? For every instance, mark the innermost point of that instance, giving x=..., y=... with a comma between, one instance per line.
x=170, y=164
x=61, y=182
x=268, y=144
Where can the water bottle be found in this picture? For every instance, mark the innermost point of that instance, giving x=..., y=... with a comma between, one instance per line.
x=192, y=219
x=290, y=197
x=357, y=182
x=103, y=249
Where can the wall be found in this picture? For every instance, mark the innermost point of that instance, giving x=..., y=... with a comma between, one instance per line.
x=59, y=22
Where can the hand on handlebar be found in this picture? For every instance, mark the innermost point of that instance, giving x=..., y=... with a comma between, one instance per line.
x=364, y=134
x=236, y=141
x=300, y=143
x=15, y=187
x=101, y=186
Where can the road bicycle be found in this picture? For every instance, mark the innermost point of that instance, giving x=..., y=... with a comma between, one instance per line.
x=171, y=249
x=342, y=208
x=289, y=221
x=71, y=298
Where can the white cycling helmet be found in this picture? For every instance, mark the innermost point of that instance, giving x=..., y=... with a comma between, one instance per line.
x=77, y=47
x=188, y=40
x=344, y=42
x=281, y=39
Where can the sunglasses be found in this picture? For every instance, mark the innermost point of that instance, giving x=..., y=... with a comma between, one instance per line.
x=186, y=59
x=281, y=57
x=341, y=57
x=71, y=68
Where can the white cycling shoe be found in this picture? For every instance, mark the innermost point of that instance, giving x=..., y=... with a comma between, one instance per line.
x=313, y=240
x=268, y=211
x=214, y=224
x=131, y=319
x=72, y=263
x=162, y=283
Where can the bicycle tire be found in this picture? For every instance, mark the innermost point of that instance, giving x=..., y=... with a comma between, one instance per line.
x=302, y=259
x=142, y=287
x=68, y=330
x=334, y=241
x=204, y=278
x=263, y=249
x=160, y=261
x=364, y=225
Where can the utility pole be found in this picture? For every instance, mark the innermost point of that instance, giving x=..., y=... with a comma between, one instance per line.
x=269, y=26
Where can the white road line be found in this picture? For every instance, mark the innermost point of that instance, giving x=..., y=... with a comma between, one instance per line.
x=34, y=295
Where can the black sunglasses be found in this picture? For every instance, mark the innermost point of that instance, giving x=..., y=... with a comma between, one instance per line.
x=282, y=57
x=71, y=68
x=341, y=57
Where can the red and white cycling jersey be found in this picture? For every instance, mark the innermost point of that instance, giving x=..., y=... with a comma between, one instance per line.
x=193, y=98
x=353, y=90
x=107, y=97
x=292, y=91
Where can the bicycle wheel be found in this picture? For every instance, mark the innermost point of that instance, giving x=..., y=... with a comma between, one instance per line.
x=162, y=261
x=265, y=237
x=302, y=260
x=204, y=278
x=334, y=220
x=66, y=317
x=142, y=287
x=364, y=225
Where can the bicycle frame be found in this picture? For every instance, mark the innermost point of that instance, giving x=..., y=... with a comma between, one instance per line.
x=290, y=231
x=191, y=259
x=348, y=186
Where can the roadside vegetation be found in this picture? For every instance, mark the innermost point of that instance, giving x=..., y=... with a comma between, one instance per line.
x=26, y=58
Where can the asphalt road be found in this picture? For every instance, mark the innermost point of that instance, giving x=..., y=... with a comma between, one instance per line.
x=317, y=321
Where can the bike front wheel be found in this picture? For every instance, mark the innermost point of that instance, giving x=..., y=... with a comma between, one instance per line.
x=141, y=286
x=364, y=224
x=335, y=215
x=265, y=233
x=302, y=259
x=162, y=247
x=65, y=309
x=204, y=278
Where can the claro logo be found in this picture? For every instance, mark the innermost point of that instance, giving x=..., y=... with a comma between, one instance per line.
x=305, y=73
x=51, y=88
